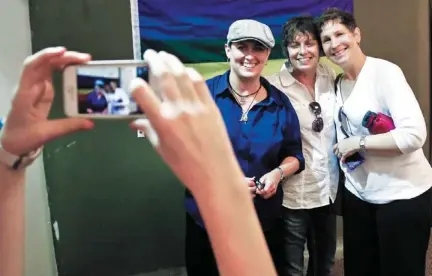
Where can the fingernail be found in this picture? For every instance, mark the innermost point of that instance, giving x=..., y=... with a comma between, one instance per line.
x=141, y=122
x=176, y=66
x=147, y=53
x=193, y=74
x=149, y=131
x=84, y=55
x=136, y=83
x=156, y=64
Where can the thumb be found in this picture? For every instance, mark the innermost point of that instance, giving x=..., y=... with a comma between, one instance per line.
x=145, y=126
x=53, y=129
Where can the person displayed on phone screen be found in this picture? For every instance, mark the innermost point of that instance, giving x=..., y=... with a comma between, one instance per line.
x=96, y=101
x=118, y=100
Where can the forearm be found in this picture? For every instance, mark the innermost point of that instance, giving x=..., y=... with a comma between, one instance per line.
x=12, y=198
x=235, y=233
x=289, y=166
x=382, y=144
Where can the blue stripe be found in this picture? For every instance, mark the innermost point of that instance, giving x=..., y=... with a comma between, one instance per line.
x=210, y=19
x=198, y=28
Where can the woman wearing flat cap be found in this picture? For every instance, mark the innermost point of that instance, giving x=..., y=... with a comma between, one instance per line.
x=265, y=134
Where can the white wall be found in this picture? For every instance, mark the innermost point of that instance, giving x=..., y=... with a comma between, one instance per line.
x=15, y=45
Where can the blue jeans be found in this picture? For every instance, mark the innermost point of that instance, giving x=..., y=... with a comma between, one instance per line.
x=315, y=226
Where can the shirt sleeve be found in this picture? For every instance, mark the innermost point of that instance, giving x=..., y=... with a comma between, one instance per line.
x=410, y=126
x=292, y=143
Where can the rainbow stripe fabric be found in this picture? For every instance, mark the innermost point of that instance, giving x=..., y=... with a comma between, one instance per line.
x=195, y=30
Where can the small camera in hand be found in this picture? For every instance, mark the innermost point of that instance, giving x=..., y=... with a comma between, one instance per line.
x=259, y=185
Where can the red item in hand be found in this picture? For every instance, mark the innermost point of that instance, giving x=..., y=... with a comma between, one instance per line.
x=377, y=123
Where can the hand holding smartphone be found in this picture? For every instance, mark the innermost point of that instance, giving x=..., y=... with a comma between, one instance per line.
x=100, y=89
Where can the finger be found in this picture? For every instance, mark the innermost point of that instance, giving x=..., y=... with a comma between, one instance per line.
x=33, y=72
x=146, y=99
x=37, y=67
x=270, y=193
x=186, y=87
x=69, y=58
x=42, y=73
x=268, y=185
x=42, y=57
x=250, y=183
x=335, y=147
x=44, y=98
x=145, y=126
x=201, y=89
x=345, y=156
x=163, y=80
x=56, y=128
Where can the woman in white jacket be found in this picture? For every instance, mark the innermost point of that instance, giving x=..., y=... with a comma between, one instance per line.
x=387, y=196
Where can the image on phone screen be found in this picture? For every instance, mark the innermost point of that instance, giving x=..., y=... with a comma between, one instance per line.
x=105, y=89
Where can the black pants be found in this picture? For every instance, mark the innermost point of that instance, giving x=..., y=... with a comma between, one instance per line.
x=200, y=260
x=316, y=226
x=387, y=239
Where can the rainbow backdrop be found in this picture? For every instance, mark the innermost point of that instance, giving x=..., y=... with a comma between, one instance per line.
x=195, y=31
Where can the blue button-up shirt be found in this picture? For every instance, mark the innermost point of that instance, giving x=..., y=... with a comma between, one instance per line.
x=271, y=134
x=97, y=103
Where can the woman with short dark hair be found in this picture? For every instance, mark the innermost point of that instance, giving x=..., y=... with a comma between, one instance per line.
x=380, y=133
x=309, y=195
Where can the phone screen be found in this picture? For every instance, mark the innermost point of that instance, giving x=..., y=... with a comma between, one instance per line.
x=104, y=90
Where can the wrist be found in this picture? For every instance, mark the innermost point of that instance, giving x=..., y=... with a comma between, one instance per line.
x=13, y=161
x=280, y=173
x=218, y=183
x=10, y=178
x=220, y=190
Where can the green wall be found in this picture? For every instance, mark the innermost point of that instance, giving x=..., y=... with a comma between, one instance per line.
x=119, y=209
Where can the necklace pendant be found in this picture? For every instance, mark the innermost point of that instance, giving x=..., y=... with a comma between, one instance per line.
x=244, y=117
x=242, y=101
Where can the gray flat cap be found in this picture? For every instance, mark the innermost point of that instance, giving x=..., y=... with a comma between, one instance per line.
x=246, y=29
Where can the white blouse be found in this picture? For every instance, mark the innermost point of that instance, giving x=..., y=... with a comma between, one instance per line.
x=381, y=87
x=317, y=184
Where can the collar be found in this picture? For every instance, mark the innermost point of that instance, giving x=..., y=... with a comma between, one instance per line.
x=286, y=79
x=222, y=85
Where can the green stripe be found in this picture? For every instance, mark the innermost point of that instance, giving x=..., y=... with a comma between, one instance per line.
x=197, y=51
x=212, y=69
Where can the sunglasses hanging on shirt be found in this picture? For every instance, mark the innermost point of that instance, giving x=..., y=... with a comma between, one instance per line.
x=318, y=123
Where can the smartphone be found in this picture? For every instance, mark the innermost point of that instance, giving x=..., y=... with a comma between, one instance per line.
x=100, y=89
x=354, y=161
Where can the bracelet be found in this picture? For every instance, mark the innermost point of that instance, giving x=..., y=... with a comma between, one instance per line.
x=281, y=173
